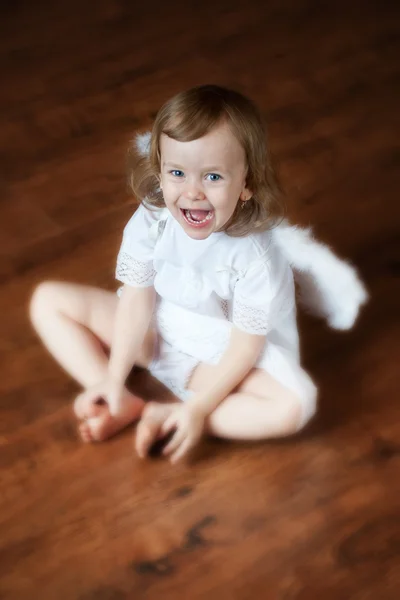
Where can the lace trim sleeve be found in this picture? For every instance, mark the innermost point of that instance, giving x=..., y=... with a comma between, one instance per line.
x=251, y=319
x=252, y=299
x=134, y=272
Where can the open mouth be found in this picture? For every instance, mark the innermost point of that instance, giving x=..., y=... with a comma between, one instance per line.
x=196, y=217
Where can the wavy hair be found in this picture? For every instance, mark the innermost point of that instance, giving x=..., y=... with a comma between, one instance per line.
x=192, y=114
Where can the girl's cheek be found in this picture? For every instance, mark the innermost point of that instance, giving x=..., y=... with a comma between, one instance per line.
x=168, y=188
x=220, y=197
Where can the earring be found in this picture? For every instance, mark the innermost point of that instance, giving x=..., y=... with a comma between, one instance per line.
x=242, y=204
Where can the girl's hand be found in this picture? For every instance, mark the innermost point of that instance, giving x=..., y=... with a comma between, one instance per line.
x=109, y=391
x=188, y=423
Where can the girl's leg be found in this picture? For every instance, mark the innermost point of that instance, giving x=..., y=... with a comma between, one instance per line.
x=261, y=407
x=76, y=324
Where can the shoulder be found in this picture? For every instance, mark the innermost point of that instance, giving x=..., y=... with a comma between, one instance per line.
x=266, y=267
x=141, y=232
x=244, y=253
x=144, y=215
x=145, y=223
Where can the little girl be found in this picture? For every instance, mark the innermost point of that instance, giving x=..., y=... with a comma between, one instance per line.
x=208, y=298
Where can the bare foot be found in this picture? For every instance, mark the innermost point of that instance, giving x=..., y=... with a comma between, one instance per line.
x=149, y=429
x=96, y=422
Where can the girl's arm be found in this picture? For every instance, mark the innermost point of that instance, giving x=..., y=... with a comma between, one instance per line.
x=237, y=361
x=132, y=321
x=188, y=420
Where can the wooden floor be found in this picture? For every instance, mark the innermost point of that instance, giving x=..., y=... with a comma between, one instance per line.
x=309, y=518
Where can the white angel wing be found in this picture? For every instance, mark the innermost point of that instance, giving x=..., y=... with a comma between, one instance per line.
x=142, y=143
x=329, y=287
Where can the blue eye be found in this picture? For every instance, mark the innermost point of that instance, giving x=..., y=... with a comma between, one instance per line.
x=177, y=173
x=214, y=176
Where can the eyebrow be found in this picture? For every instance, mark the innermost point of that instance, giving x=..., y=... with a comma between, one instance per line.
x=208, y=169
x=216, y=168
x=172, y=164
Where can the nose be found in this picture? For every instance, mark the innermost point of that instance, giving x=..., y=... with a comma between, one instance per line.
x=193, y=191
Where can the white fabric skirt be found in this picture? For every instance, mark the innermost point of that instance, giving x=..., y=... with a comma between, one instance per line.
x=185, y=340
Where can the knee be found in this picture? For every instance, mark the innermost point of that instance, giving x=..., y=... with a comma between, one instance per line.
x=302, y=411
x=292, y=417
x=43, y=301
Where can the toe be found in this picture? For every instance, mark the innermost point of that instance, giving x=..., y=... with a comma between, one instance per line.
x=146, y=434
x=79, y=406
x=149, y=428
x=85, y=433
x=99, y=428
x=97, y=424
x=96, y=429
x=84, y=407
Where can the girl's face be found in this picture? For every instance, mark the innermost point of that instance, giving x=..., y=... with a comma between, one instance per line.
x=203, y=180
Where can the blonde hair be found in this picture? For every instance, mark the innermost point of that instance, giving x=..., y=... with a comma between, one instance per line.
x=188, y=116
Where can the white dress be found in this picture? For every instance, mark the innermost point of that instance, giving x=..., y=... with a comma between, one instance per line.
x=206, y=286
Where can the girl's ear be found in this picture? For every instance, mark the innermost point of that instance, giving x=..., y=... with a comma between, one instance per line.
x=245, y=195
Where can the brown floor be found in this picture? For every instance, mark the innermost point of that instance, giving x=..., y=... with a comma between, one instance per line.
x=310, y=518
